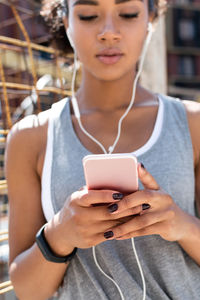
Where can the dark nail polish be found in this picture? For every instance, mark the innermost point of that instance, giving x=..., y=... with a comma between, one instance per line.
x=143, y=167
x=112, y=208
x=117, y=196
x=108, y=234
x=145, y=206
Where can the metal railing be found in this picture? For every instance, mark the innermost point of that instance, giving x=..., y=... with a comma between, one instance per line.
x=5, y=286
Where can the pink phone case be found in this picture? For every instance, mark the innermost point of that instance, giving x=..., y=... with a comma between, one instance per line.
x=111, y=171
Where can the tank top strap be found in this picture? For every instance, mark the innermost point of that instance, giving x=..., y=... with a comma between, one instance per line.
x=54, y=117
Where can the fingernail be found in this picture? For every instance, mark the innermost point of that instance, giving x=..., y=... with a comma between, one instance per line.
x=117, y=196
x=143, y=167
x=112, y=208
x=108, y=234
x=145, y=206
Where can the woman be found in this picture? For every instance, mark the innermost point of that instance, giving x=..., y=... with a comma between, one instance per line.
x=44, y=156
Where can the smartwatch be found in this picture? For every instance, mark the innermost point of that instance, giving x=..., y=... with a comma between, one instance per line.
x=47, y=251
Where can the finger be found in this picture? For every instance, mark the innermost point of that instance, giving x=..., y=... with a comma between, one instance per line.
x=115, y=211
x=138, y=201
x=103, y=213
x=102, y=231
x=147, y=179
x=105, y=226
x=153, y=229
x=137, y=223
x=100, y=238
x=100, y=227
x=92, y=240
x=87, y=198
x=83, y=188
x=156, y=228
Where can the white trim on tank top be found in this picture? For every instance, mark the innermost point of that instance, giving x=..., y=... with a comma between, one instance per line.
x=47, y=206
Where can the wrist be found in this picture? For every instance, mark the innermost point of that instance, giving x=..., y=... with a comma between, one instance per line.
x=192, y=230
x=54, y=237
x=46, y=250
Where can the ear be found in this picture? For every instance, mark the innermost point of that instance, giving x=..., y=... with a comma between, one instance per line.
x=150, y=27
x=65, y=22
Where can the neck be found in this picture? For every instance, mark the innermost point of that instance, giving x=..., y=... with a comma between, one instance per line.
x=106, y=96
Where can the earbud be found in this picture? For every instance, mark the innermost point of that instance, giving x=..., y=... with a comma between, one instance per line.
x=150, y=27
x=150, y=31
x=70, y=38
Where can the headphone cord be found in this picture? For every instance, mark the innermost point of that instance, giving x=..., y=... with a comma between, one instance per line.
x=111, y=148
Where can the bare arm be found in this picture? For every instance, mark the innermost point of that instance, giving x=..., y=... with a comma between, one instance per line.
x=164, y=217
x=78, y=224
x=198, y=189
x=191, y=244
x=28, y=268
x=193, y=111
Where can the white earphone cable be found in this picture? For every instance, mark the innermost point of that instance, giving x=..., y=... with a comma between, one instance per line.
x=144, y=50
x=106, y=275
x=110, y=278
x=111, y=148
x=75, y=104
x=76, y=108
x=140, y=269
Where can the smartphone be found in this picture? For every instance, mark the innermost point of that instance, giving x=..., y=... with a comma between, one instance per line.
x=111, y=171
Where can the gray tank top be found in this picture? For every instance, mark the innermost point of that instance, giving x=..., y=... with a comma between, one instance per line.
x=169, y=272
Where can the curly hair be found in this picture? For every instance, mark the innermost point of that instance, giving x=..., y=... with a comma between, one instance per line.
x=53, y=11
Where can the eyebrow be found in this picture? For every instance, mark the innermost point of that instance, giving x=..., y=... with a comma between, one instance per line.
x=93, y=2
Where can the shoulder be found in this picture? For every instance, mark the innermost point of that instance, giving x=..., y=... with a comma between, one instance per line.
x=29, y=127
x=27, y=137
x=193, y=115
x=192, y=108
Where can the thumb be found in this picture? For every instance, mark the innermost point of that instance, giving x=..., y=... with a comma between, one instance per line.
x=146, y=178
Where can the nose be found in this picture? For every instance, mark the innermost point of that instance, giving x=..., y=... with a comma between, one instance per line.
x=109, y=32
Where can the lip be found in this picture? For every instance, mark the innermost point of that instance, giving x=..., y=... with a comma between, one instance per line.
x=110, y=56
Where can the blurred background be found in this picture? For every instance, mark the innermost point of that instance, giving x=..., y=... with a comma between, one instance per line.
x=34, y=74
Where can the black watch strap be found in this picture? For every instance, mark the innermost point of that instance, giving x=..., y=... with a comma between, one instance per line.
x=47, y=251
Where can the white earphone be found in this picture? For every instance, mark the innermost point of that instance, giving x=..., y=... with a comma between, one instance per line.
x=149, y=27
x=70, y=38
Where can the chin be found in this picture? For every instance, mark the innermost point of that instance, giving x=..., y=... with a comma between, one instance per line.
x=112, y=76
x=109, y=73
x=108, y=78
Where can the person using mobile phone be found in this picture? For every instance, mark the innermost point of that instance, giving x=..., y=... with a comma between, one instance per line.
x=63, y=235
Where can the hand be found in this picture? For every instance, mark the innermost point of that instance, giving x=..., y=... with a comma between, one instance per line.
x=82, y=221
x=161, y=215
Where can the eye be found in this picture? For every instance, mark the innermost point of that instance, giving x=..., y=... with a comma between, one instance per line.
x=129, y=16
x=87, y=18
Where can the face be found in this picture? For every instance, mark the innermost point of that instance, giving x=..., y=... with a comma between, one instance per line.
x=108, y=35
